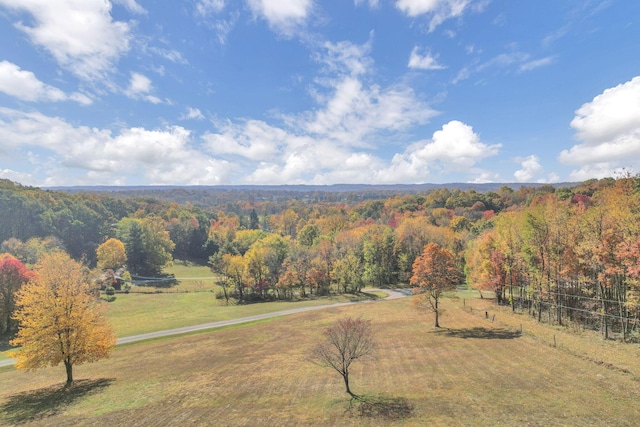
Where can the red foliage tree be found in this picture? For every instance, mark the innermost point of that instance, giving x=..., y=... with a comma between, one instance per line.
x=13, y=274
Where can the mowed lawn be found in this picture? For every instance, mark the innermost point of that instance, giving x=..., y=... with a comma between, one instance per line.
x=133, y=314
x=470, y=372
x=191, y=302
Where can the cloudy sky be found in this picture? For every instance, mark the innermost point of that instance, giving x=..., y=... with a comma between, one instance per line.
x=132, y=92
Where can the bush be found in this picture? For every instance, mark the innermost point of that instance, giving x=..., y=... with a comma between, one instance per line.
x=110, y=290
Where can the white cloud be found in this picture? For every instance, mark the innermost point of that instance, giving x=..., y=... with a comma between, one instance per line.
x=608, y=128
x=211, y=13
x=132, y=6
x=334, y=142
x=512, y=61
x=456, y=147
x=537, y=63
x=192, y=114
x=373, y=4
x=209, y=7
x=438, y=10
x=80, y=34
x=283, y=16
x=21, y=177
x=24, y=85
x=163, y=156
x=140, y=87
x=254, y=140
x=345, y=58
x=531, y=168
x=352, y=112
x=463, y=74
x=426, y=62
x=169, y=54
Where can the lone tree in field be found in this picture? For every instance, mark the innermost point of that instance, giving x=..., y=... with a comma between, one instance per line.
x=60, y=318
x=347, y=340
x=434, y=272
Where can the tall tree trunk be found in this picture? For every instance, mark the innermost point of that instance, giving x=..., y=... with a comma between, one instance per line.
x=437, y=312
x=69, y=368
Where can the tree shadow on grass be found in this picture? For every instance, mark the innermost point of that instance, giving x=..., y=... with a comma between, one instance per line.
x=46, y=402
x=482, y=333
x=388, y=408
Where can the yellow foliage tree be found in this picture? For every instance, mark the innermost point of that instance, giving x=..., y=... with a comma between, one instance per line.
x=60, y=319
x=111, y=254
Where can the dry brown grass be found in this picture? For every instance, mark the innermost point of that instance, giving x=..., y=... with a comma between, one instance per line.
x=470, y=372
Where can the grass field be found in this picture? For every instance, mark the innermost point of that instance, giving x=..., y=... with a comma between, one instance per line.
x=132, y=314
x=470, y=372
x=192, y=302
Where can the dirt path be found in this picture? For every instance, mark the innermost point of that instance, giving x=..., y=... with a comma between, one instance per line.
x=391, y=294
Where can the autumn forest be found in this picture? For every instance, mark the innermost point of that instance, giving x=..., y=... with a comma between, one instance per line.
x=566, y=256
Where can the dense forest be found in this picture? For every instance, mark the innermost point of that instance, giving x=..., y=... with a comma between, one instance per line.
x=567, y=255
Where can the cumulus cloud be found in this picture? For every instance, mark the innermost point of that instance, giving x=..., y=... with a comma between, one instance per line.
x=334, y=142
x=438, y=10
x=283, y=16
x=456, y=147
x=531, y=168
x=352, y=111
x=423, y=62
x=608, y=129
x=24, y=85
x=140, y=87
x=81, y=35
x=164, y=156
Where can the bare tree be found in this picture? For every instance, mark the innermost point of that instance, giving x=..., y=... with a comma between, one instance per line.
x=346, y=340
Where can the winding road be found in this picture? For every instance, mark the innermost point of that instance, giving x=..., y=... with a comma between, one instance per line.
x=391, y=294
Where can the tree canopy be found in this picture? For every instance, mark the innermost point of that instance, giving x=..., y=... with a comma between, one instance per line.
x=60, y=318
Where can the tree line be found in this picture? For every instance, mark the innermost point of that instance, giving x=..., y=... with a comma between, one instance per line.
x=567, y=259
x=564, y=255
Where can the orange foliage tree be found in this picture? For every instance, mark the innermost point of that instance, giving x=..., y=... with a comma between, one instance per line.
x=434, y=272
x=60, y=319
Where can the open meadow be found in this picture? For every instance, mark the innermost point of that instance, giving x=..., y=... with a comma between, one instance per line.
x=472, y=371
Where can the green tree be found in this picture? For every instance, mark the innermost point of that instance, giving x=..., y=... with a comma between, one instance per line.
x=147, y=244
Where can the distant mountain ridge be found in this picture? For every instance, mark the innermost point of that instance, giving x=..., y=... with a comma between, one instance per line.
x=333, y=188
x=216, y=195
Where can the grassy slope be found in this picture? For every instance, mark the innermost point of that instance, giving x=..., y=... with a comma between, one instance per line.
x=471, y=372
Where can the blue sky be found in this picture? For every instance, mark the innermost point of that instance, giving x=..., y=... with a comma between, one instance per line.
x=134, y=92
